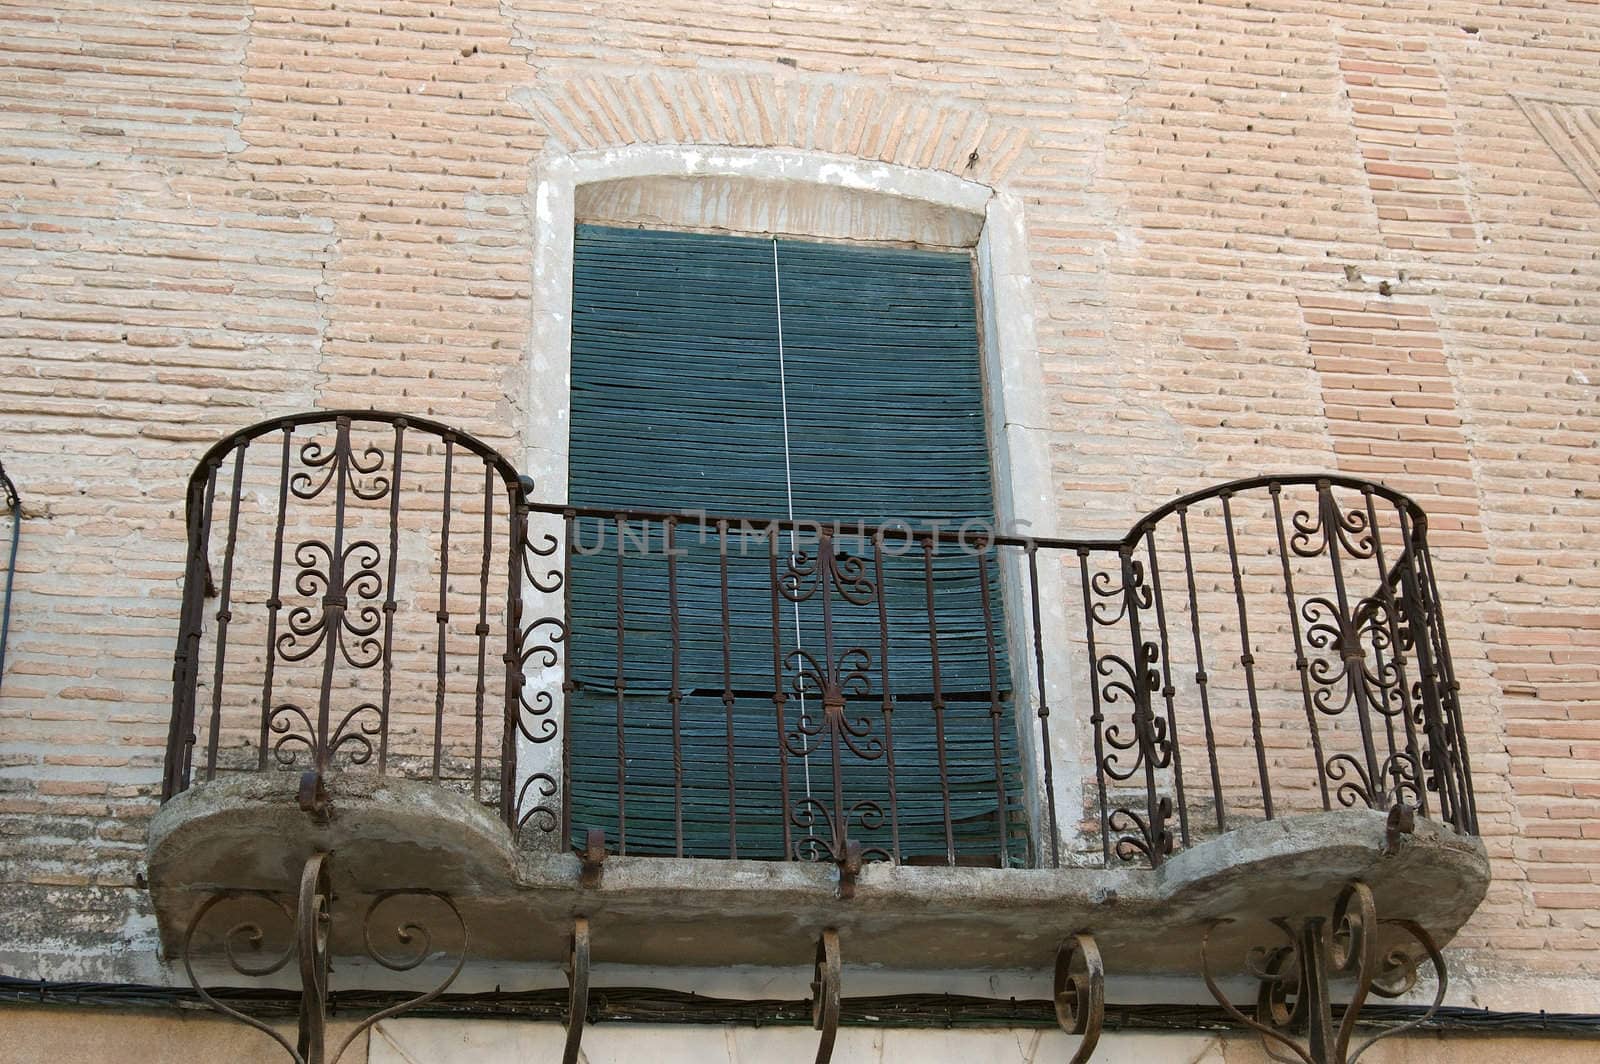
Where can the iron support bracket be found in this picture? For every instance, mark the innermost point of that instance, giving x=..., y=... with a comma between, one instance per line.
x=307, y=929
x=577, y=969
x=1080, y=992
x=1294, y=1006
x=825, y=976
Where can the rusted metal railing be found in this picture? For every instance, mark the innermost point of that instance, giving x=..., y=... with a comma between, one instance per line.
x=359, y=572
x=715, y=686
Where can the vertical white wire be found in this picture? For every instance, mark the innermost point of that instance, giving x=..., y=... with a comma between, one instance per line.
x=788, y=477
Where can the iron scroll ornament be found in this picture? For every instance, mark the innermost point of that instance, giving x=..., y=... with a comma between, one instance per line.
x=1080, y=992
x=826, y=974
x=310, y=926
x=1293, y=1000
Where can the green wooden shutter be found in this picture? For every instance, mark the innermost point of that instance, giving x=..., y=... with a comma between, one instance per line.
x=678, y=404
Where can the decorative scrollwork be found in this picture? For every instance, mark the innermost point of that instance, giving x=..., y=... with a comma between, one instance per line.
x=1403, y=770
x=1080, y=992
x=290, y=728
x=292, y=731
x=314, y=455
x=311, y=926
x=1354, y=785
x=363, y=470
x=1352, y=528
x=1147, y=839
x=846, y=573
x=1293, y=1008
x=543, y=815
x=823, y=840
x=547, y=580
x=417, y=941
x=360, y=615
x=377, y=484
x=1149, y=739
x=541, y=641
x=355, y=731
x=247, y=934
x=1107, y=586
x=834, y=682
x=826, y=976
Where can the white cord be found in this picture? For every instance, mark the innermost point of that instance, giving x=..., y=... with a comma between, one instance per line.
x=788, y=477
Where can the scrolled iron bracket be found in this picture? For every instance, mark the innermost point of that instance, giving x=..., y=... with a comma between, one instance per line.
x=310, y=926
x=825, y=977
x=1080, y=992
x=577, y=969
x=1402, y=822
x=1294, y=1009
x=312, y=796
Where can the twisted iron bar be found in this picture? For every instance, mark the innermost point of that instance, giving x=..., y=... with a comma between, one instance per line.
x=1294, y=1007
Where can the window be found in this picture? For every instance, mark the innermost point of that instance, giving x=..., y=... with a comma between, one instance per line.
x=769, y=379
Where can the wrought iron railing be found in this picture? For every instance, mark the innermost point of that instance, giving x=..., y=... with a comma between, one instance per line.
x=365, y=579
x=388, y=598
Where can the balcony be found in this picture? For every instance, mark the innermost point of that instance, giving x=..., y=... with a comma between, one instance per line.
x=685, y=738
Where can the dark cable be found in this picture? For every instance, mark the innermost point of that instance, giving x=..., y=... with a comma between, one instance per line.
x=647, y=1005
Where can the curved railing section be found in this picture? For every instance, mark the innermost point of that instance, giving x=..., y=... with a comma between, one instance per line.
x=1267, y=646
x=352, y=598
x=718, y=686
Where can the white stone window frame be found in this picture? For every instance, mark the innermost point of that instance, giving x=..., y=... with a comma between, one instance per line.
x=1013, y=387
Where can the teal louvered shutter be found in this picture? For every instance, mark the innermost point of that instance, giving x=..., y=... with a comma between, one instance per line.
x=871, y=409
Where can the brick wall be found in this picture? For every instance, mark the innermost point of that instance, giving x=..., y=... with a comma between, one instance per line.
x=1267, y=235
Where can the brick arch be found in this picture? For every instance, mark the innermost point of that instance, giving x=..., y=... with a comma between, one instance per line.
x=853, y=117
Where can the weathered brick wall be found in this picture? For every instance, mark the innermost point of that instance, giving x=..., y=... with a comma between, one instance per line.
x=1267, y=235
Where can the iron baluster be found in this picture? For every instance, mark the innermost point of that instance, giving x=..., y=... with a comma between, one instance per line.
x=727, y=687
x=887, y=707
x=442, y=615
x=1246, y=655
x=1174, y=749
x=779, y=699
x=334, y=601
x=621, y=692
x=1096, y=716
x=390, y=603
x=1002, y=812
x=938, y=698
x=1047, y=753
x=1201, y=679
x=224, y=612
x=274, y=601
